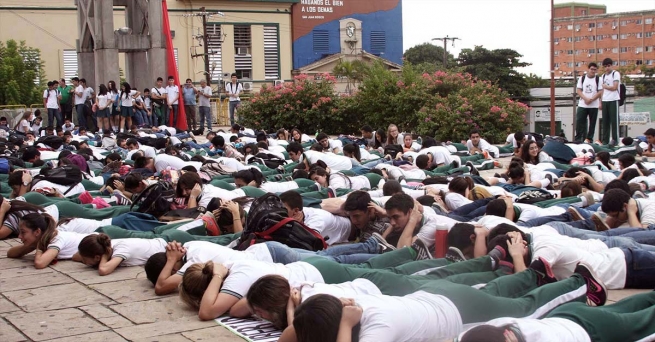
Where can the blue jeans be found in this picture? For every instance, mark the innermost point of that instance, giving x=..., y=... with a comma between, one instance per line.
x=640, y=268
x=618, y=240
x=232, y=107
x=354, y=253
x=586, y=224
x=205, y=115
x=54, y=113
x=81, y=120
x=141, y=117
x=470, y=211
x=197, y=146
x=167, y=116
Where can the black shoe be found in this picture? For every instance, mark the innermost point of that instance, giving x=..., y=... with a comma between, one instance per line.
x=497, y=175
x=454, y=255
x=550, y=185
x=544, y=271
x=596, y=291
x=384, y=246
x=422, y=251
x=454, y=164
x=473, y=171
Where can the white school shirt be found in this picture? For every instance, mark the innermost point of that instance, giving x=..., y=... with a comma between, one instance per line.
x=609, y=80
x=77, y=189
x=158, y=91
x=529, y=211
x=88, y=93
x=440, y=155
x=341, y=181
x=209, y=192
x=482, y=145
x=335, y=229
x=243, y=273
x=147, y=102
x=204, y=101
x=646, y=208
x=172, y=92
x=455, y=200
x=511, y=140
x=66, y=243
x=79, y=99
x=589, y=89
x=83, y=226
x=163, y=161
x=102, y=101
x=24, y=124
x=203, y=251
x=51, y=96
x=551, y=329
x=333, y=161
x=564, y=255
x=234, y=89
x=135, y=252
x=278, y=186
x=126, y=99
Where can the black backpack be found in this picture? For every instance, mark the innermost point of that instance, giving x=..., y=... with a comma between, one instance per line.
x=156, y=199
x=533, y=196
x=54, y=142
x=622, y=90
x=268, y=220
x=68, y=175
x=271, y=161
x=393, y=150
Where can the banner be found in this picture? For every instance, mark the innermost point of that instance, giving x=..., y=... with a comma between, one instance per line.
x=640, y=118
x=172, y=70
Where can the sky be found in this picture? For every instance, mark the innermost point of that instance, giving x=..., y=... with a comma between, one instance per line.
x=521, y=25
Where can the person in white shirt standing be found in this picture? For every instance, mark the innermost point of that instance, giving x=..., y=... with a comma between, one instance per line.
x=158, y=97
x=204, y=107
x=611, y=82
x=51, y=98
x=233, y=89
x=79, y=100
x=589, y=91
x=172, y=95
x=103, y=102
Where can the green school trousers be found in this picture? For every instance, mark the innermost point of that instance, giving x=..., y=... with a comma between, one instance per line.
x=169, y=235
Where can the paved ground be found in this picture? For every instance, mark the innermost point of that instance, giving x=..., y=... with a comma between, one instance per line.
x=69, y=301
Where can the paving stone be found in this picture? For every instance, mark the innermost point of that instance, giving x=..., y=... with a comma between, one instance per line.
x=616, y=295
x=9, y=333
x=155, y=310
x=98, y=311
x=164, y=338
x=105, y=336
x=13, y=242
x=217, y=333
x=121, y=273
x=116, y=321
x=69, y=266
x=55, y=297
x=127, y=291
x=7, y=306
x=6, y=263
x=144, y=331
x=42, y=326
x=22, y=271
x=33, y=281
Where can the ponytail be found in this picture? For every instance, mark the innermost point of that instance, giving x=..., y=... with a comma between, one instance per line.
x=95, y=245
x=43, y=222
x=195, y=281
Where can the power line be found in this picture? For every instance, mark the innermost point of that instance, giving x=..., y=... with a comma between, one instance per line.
x=42, y=29
x=445, y=47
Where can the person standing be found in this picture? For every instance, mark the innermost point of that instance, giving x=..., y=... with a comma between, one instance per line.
x=66, y=103
x=158, y=97
x=51, y=98
x=589, y=92
x=233, y=89
x=172, y=95
x=611, y=82
x=189, y=92
x=79, y=100
x=89, y=98
x=204, y=107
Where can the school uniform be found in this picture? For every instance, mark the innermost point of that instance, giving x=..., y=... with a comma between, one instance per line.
x=135, y=252
x=336, y=229
x=204, y=251
x=66, y=243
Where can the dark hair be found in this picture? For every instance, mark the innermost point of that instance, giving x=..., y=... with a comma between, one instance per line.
x=187, y=181
x=592, y=65
x=525, y=153
x=629, y=174
x=218, y=141
x=459, y=185
x=111, y=86
x=502, y=241
x=402, y=202
x=650, y=131
x=573, y=171
x=132, y=141
x=604, y=158
x=321, y=136
x=614, y=200
x=607, y=61
x=320, y=171
x=154, y=265
x=367, y=129
x=515, y=172
x=459, y=236
x=392, y=187
x=426, y=200
x=353, y=150
x=132, y=181
x=261, y=136
x=503, y=229
x=292, y=198
x=422, y=161
x=518, y=136
x=295, y=147
x=627, y=141
x=253, y=149
x=357, y=200
x=474, y=131
x=316, y=147
x=618, y=184
x=317, y=319
x=485, y=333
x=126, y=91
x=43, y=222
x=428, y=142
x=271, y=294
x=262, y=145
x=170, y=77
x=113, y=157
x=30, y=153
x=496, y=207
x=570, y=189
x=250, y=175
x=160, y=79
x=233, y=75
x=383, y=138
x=95, y=245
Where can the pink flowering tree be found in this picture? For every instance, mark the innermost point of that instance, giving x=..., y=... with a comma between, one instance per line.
x=306, y=103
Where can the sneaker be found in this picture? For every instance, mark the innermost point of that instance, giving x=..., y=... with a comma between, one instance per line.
x=473, y=171
x=454, y=164
x=589, y=197
x=85, y=198
x=280, y=169
x=384, y=246
x=498, y=253
x=100, y=203
x=422, y=251
x=454, y=255
x=505, y=266
x=601, y=226
x=485, y=154
x=544, y=271
x=121, y=199
x=575, y=214
x=596, y=291
x=639, y=194
x=587, y=141
x=497, y=164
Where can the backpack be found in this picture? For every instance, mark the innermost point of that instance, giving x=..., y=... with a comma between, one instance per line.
x=69, y=175
x=213, y=169
x=268, y=220
x=393, y=150
x=597, y=80
x=271, y=161
x=533, y=196
x=621, y=90
x=54, y=142
x=156, y=199
x=5, y=166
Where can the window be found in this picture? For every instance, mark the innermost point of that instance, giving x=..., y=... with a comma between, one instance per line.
x=569, y=52
x=569, y=27
x=623, y=50
x=378, y=42
x=557, y=53
x=578, y=39
x=242, y=47
x=556, y=40
x=639, y=49
x=592, y=25
x=592, y=51
x=615, y=36
x=624, y=23
x=556, y=28
x=177, y=64
x=638, y=22
x=271, y=53
x=599, y=37
x=599, y=25
x=624, y=63
x=569, y=64
x=556, y=65
x=639, y=62
x=214, y=47
x=649, y=34
x=614, y=23
x=650, y=62
x=569, y=39
x=648, y=21
x=592, y=38
x=577, y=52
x=624, y=36
x=577, y=27
x=579, y=64
x=321, y=41
x=615, y=50
x=649, y=49
x=583, y=12
x=70, y=64
x=639, y=35
x=615, y=63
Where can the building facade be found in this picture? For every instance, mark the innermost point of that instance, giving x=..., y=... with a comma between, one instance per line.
x=586, y=33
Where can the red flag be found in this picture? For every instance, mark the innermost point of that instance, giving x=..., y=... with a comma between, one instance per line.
x=172, y=70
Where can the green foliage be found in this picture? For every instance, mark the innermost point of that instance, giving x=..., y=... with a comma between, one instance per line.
x=429, y=54
x=353, y=71
x=534, y=81
x=22, y=72
x=497, y=66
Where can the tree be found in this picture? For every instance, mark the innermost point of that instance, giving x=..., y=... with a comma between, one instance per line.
x=497, y=66
x=22, y=72
x=353, y=71
x=429, y=53
x=535, y=81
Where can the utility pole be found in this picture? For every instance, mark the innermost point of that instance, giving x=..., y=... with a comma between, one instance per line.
x=203, y=39
x=445, y=47
x=552, y=68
